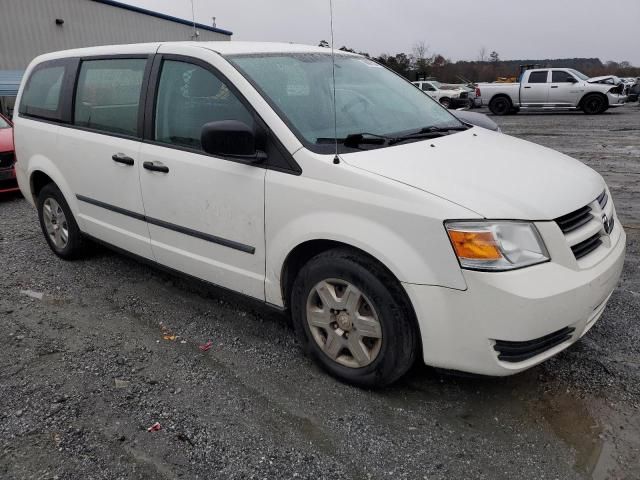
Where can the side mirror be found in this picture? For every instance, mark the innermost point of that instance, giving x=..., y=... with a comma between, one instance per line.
x=231, y=138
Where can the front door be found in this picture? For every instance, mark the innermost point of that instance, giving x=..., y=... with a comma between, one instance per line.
x=205, y=213
x=535, y=92
x=564, y=90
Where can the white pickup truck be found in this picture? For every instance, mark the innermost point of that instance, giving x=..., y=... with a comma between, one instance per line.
x=552, y=89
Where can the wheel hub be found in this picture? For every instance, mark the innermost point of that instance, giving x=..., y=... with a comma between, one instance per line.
x=343, y=319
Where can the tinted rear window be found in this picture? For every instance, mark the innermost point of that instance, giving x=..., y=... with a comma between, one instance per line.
x=42, y=94
x=537, y=77
x=108, y=95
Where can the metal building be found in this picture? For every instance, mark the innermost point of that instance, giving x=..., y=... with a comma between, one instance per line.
x=29, y=28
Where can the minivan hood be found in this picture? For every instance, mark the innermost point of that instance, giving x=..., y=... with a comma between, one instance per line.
x=492, y=174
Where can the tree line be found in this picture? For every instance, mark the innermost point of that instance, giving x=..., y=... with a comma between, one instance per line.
x=488, y=67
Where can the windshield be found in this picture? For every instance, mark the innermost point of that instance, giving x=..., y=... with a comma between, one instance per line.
x=4, y=123
x=578, y=74
x=370, y=99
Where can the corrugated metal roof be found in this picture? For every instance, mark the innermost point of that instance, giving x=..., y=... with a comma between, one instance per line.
x=10, y=82
x=163, y=16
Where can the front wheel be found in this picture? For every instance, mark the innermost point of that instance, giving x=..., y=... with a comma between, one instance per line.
x=445, y=102
x=352, y=319
x=593, y=105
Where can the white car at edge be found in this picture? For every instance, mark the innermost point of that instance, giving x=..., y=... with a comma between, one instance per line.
x=423, y=236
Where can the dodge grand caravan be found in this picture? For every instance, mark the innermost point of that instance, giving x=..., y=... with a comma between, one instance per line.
x=396, y=232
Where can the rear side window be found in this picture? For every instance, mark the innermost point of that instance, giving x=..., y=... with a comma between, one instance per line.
x=108, y=95
x=42, y=94
x=190, y=96
x=537, y=77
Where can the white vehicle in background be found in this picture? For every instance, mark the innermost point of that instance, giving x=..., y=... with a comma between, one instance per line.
x=395, y=233
x=449, y=97
x=554, y=89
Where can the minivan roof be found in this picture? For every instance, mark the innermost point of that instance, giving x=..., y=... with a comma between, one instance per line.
x=221, y=47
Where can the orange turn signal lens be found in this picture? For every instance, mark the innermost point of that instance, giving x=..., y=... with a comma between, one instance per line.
x=475, y=245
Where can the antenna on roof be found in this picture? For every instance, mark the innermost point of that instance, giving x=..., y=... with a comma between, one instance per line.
x=336, y=159
x=193, y=18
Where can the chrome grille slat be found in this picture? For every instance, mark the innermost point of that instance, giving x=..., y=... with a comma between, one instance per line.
x=603, y=198
x=583, y=227
x=587, y=246
x=574, y=220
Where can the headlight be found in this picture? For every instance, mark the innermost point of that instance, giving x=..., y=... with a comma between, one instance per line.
x=496, y=246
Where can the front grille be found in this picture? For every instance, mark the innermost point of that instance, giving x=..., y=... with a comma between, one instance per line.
x=464, y=95
x=586, y=246
x=7, y=159
x=583, y=227
x=513, y=352
x=574, y=220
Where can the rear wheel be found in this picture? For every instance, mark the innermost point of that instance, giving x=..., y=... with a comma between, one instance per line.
x=500, y=105
x=58, y=224
x=352, y=319
x=593, y=104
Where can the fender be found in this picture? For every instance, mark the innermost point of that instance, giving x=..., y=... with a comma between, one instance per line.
x=403, y=260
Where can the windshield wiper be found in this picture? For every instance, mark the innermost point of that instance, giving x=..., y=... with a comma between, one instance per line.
x=356, y=139
x=427, y=132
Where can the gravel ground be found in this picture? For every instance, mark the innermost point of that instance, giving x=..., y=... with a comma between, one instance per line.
x=89, y=366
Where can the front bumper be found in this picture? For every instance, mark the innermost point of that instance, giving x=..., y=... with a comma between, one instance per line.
x=616, y=100
x=8, y=182
x=459, y=329
x=460, y=102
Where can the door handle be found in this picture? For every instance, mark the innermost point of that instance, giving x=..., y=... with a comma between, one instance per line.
x=122, y=158
x=554, y=86
x=156, y=167
x=527, y=87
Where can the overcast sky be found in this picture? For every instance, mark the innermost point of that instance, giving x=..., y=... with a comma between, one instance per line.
x=516, y=29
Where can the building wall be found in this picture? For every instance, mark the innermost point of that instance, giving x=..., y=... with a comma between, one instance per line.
x=28, y=28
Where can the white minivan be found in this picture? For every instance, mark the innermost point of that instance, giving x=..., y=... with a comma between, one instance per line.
x=388, y=228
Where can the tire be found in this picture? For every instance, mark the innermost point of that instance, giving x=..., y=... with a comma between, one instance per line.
x=500, y=105
x=393, y=345
x=594, y=104
x=55, y=216
x=445, y=102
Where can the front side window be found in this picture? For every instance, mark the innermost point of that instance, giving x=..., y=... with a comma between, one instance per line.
x=559, y=76
x=369, y=98
x=108, y=95
x=578, y=74
x=538, y=77
x=189, y=97
x=41, y=96
x=427, y=87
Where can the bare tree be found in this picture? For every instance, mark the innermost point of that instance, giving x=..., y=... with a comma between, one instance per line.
x=421, y=57
x=495, y=58
x=482, y=54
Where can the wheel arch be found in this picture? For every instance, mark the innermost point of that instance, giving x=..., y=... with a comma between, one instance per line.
x=590, y=94
x=305, y=251
x=42, y=171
